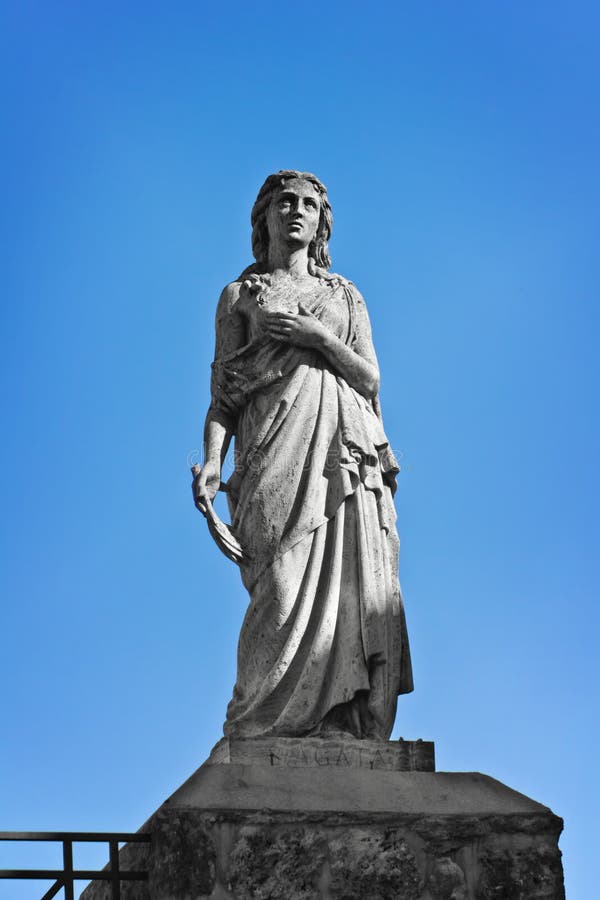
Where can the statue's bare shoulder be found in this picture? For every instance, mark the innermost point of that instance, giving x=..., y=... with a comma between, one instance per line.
x=230, y=327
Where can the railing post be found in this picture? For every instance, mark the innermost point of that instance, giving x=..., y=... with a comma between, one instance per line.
x=68, y=870
x=114, y=868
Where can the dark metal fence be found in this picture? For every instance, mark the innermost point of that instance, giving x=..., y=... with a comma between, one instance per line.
x=66, y=877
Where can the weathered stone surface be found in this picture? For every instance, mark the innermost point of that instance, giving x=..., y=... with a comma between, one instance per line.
x=241, y=832
x=183, y=859
x=447, y=881
x=372, y=865
x=342, y=753
x=530, y=871
x=274, y=865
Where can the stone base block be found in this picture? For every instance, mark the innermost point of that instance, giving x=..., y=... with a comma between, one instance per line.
x=345, y=752
x=242, y=831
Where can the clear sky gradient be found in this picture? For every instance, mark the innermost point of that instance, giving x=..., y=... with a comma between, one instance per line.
x=460, y=143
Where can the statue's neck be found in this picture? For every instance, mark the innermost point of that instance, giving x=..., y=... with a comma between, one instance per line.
x=289, y=261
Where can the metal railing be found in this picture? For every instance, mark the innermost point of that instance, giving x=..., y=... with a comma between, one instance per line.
x=66, y=877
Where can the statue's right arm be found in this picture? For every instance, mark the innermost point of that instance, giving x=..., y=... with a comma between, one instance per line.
x=219, y=427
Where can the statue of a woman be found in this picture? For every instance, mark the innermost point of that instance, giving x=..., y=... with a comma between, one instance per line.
x=323, y=648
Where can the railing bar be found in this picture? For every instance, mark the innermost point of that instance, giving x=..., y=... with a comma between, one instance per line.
x=31, y=873
x=68, y=867
x=53, y=891
x=75, y=836
x=78, y=874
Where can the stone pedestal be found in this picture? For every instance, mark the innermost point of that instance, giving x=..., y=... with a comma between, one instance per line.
x=269, y=823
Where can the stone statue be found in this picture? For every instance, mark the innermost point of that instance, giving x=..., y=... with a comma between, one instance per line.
x=304, y=796
x=323, y=649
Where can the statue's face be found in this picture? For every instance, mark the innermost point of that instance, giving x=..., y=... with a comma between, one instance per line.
x=293, y=214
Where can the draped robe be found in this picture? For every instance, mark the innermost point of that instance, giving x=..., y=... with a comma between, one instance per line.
x=323, y=646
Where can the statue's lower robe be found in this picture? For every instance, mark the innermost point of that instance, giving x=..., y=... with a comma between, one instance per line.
x=323, y=646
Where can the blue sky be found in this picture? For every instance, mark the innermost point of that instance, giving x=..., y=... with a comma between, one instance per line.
x=460, y=144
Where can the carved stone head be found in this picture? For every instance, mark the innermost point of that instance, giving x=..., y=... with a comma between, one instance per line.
x=318, y=249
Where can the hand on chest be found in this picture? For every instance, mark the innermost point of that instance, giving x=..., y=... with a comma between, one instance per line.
x=266, y=294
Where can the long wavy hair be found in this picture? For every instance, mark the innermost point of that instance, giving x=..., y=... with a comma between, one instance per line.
x=318, y=249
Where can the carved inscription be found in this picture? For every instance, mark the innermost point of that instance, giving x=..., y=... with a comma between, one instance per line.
x=400, y=757
x=315, y=752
